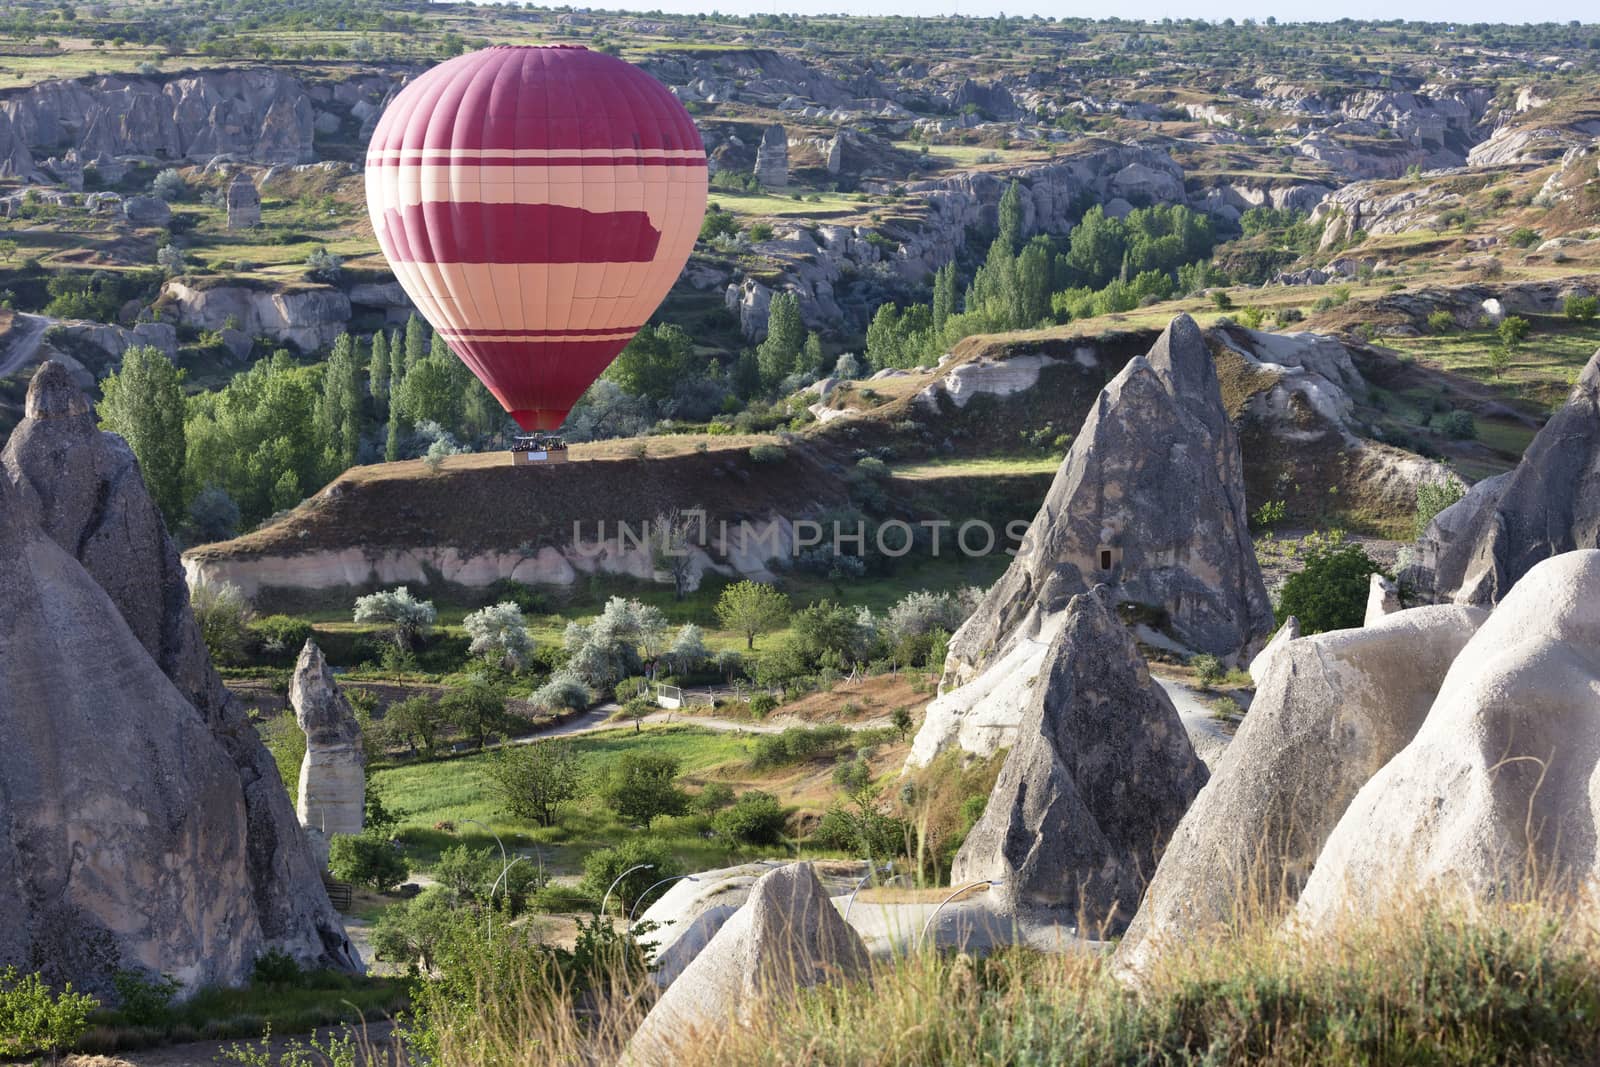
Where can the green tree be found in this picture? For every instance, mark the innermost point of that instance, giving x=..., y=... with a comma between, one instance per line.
x=779, y=354
x=641, y=785
x=378, y=368
x=1330, y=592
x=602, y=868
x=654, y=362
x=1010, y=232
x=756, y=818
x=533, y=781
x=416, y=345
x=406, y=618
x=35, y=1020
x=338, y=411
x=477, y=707
x=811, y=355
x=367, y=859
x=418, y=723
x=752, y=609
x=944, y=297
x=143, y=401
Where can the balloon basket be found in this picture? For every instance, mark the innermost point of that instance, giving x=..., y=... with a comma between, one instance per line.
x=530, y=449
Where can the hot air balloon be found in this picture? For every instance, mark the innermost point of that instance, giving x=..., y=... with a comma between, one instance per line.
x=536, y=204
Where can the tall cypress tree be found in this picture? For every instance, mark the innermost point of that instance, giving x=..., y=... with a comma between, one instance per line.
x=338, y=412
x=416, y=341
x=143, y=401
x=378, y=368
x=944, y=297
x=779, y=354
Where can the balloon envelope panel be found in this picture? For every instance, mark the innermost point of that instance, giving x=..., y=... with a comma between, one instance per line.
x=536, y=203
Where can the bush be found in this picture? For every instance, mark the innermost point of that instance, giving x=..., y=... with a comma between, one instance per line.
x=1582, y=308
x=762, y=704
x=1269, y=514
x=278, y=635
x=1524, y=237
x=641, y=785
x=605, y=866
x=222, y=613
x=756, y=818
x=562, y=692
x=797, y=744
x=1441, y=321
x=1459, y=425
x=367, y=859
x=34, y=1020
x=1208, y=669
x=713, y=797
x=169, y=185
x=1331, y=592
x=145, y=1001
x=768, y=454
x=1434, y=497
x=277, y=968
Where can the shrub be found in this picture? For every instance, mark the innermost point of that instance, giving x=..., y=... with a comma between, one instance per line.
x=500, y=634
x=169, y=185
x=762, y=704
x=1441, y=321
x=222, y=613
x=768, y=454
x=756, y=818
x=797, y=744
x=277, y=968
x=35, y=1020
x=1221, y=300
x=1434, y=497
x=1582, y=308
x=1459, y=425
x=760, y=231
x=367, y=859
x=1269, y=514
x=278, y=635
x=1331, y=592
x=641, y=785
x=562, y=692
x=714, y=796
x=603, y=867
x=1208, y=669
x=1524, y=237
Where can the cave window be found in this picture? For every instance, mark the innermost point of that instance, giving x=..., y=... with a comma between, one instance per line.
x=1105, y=559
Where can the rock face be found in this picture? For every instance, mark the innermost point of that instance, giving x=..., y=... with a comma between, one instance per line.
x=244, y=203
x=333, y=783
x=1495, y=793
x=309, y=318
x=772, y=158
x=1150, y=501
x=1100, y=776
x=257, y=114
x=1329, y=711
x=788, y=936
x=148, y=828
x=1383, y=598
x=1475, y=550
x=146, y=211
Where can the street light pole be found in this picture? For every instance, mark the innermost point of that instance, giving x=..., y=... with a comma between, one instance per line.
x=923, y=937
x=620, y=877
x=865, y=878
x=652, y=885
x=505, y=866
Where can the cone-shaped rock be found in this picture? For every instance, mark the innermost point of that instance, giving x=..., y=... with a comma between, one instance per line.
x=1476, y=549
x=788, y=936
x=1496, y=795
x=333, y=780
x=80, y=489
x=1149, y=501
x=1329, y=711
x=1101, y=773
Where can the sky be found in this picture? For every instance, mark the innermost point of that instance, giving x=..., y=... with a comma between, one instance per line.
x=1283, y=10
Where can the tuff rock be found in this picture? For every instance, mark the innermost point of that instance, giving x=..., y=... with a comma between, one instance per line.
x=333, y=773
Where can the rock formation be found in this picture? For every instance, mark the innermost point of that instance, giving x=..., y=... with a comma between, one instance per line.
x=788, y=936
x=244, y=203
x=1495, y=795
x=1262, y=664
x=1474, y=550
x=1149, y=500
x=1330, y=710
x=333, y=780
x=193, y=801
x=1383, y=598
x=772, y=158
x=1100, y=776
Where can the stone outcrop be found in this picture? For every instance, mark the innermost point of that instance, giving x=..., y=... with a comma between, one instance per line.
x=1149, y=500
x=772, y=158
x=256, y=114
x=1494, y=797
x=146, y=211
x=308, y=317
x=1383, y=598
x=1329, y=711
x=333, y=782
x=788, y=936
x=244, y=203
x=1476, y=549
x=150, y=829
x=1099, y=777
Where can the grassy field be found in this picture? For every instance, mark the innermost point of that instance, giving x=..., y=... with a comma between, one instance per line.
x=1542, y=369
x=456, y=790
x=953, y=467
x=768, y=205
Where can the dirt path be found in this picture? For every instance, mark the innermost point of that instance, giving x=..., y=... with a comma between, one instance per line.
x=597, y=718
x=374, y=1041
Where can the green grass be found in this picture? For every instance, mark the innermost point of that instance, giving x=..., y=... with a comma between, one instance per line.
x=324, y=998
x=459, y=789
x=955, y=467
x=1541, y=368
x=767, y=205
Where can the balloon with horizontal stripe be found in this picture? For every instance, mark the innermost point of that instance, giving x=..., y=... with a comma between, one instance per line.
x=536, y=204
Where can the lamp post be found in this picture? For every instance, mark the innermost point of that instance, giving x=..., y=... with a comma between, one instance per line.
x=636, y=867
x=505, y=865
x=865, y=878
x=923, y=937
x=652, y=885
